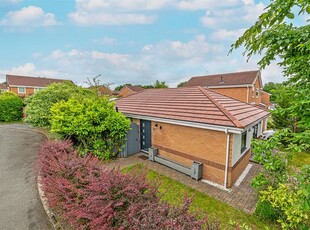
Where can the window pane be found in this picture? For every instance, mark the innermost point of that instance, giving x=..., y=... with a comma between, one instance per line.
x=21, y=89
x=243, y=141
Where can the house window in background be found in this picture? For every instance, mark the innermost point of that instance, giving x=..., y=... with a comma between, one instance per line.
x=21, y=90
x=257, y=92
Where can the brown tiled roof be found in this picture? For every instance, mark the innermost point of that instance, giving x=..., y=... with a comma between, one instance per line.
x=134, y=88
x=193, y=104
x=3, y=86
x=30, y=81
x=227, y=79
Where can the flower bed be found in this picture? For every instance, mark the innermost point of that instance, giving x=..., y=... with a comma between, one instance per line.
x=92, y=197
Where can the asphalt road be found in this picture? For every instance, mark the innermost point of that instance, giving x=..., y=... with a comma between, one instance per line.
x=20, y=205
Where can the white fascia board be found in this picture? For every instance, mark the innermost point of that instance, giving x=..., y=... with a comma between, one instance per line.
x=27, y=86
x=187, y=123
x=229, y=86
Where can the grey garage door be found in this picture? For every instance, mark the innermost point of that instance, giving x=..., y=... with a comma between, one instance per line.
x=132, y=144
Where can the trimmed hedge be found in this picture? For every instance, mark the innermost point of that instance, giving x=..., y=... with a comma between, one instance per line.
x=11, y=107
x=92, y=197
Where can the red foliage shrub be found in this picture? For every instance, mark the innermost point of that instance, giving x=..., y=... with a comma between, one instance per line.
x=91, y=197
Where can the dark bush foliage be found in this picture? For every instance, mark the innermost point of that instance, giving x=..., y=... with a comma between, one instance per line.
x=91, y=197
x=11, y=107
x=265, y=210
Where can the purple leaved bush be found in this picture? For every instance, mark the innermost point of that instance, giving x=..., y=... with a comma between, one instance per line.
x=90, y=196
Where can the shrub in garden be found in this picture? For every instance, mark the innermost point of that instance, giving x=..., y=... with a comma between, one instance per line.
x=38, y=105
x=282, y=197
x=92, y=123
x=11, y=107
x=91, y=197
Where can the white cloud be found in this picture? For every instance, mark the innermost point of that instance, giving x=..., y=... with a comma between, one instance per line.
x=91, y=19
x=227, y=35
x=27, y=18
x=171, y=61
x=105, y=41
x=124, y=12
x=243, y=14
x=198, y=47
x=127, y=5
x=10, y=1
x=203, y=4
x=26, y=69
x=138, y=5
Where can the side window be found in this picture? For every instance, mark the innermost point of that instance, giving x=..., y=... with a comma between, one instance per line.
x=21, y=90
x=255, y=131
x=257, y=92
x=243, y=141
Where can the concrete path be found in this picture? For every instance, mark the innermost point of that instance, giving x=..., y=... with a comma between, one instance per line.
x=20, y=205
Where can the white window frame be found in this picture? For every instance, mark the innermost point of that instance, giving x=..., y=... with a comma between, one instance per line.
x=243, y=148
x=257, y=92
x=18, y=88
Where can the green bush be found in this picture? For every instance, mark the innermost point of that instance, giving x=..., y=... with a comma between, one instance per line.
x=38, y=105
x=11, y=107
x=264, y=210
x=92, y=123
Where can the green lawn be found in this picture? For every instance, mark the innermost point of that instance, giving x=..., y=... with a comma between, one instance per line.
x=173, y=192
x=300, y=159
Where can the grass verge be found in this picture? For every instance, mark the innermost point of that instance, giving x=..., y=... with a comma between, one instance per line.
x=300, y=159
x=173, y=192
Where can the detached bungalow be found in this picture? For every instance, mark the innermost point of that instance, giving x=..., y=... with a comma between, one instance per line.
x=194, y=124
x=24, y=85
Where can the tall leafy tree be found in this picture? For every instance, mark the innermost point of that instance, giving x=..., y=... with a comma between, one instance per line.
x=160, y=84
x=274, y=37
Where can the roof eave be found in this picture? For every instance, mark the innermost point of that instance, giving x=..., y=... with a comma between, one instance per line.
x=188, y=123
x=229, y=86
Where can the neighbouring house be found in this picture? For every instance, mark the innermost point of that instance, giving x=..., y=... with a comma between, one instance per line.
x=265, y=99
x=102, y=90
x=129, y=90
x=244, y=86
x=194, y=124
x=3, y=88
x=25, y=85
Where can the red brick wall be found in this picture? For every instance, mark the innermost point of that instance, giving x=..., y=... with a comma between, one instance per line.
x=29, y=91
x=237, y=93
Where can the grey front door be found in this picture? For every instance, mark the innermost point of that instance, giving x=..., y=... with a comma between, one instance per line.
x=133, y=139
x=145, y=130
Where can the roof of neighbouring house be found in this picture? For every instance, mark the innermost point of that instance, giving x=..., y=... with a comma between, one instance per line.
x=15, y=80
x=191, y=104
x=3, y=86
x=226, y=79
x=134, y=88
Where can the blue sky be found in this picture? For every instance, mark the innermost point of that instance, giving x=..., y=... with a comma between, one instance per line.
x=126, y=41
